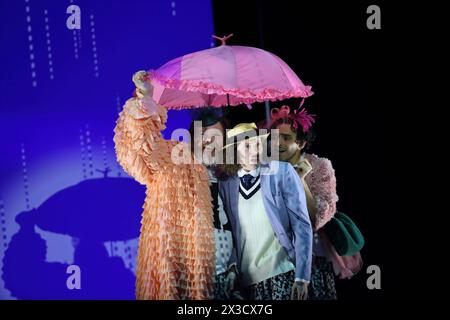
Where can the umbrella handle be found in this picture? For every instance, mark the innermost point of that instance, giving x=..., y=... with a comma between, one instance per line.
x=223, y=39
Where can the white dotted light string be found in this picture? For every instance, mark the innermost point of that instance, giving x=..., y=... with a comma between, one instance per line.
x=118, y=104
x=30, y=43
x=80, y=44
x=83, y=154
x=25, y=177
x=89, y=151
x=3, y=223
x=75, y=44
x=94, y=46
x=75, y=40
x=78, y=34
x=49, y=45
x=174, y=10
x=105, y=160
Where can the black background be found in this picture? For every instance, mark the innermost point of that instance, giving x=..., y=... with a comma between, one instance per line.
x=356, y=74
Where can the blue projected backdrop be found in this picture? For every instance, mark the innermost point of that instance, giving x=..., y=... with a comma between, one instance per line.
x=63, y=197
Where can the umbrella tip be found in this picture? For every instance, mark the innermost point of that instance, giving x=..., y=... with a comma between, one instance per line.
x=223, y=39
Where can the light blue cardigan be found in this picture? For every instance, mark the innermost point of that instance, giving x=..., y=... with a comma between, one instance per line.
x=285, y=203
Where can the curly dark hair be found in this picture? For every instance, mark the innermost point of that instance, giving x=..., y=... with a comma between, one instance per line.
x=301, y=136
x=208, y=118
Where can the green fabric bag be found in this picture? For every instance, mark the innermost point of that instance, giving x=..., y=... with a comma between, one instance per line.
x=344, y=235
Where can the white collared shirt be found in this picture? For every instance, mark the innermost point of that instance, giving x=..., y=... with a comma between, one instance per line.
x=255, y=172
x=255, y=220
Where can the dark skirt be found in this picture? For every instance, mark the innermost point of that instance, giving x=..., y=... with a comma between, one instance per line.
x=219, y=287
x=322, y=285
x=275, y=288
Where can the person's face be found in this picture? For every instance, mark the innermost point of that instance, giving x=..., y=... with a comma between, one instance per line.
x=210, y=134
x=247, y=151
x=288, y=144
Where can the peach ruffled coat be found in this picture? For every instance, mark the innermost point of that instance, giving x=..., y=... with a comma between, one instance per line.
x=176, y=255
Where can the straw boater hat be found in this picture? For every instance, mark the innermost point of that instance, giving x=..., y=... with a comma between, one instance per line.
x=243, y=131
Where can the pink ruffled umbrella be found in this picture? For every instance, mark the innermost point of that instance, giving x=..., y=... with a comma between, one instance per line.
x=225, y=75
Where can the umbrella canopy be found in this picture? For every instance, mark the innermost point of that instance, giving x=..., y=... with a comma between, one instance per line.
x=225, y=75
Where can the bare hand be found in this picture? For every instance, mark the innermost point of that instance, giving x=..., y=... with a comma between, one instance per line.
x=143, y=86
x=303, y=168
x=230, y=283
x=299, y=291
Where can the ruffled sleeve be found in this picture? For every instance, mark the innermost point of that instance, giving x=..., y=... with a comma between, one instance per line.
x=322, y=184
x=140, y=148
